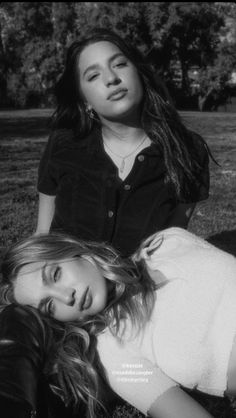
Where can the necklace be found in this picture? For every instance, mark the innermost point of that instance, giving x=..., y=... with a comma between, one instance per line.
x=123, y=157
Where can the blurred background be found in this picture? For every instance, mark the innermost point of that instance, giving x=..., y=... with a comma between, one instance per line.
x=192, y=45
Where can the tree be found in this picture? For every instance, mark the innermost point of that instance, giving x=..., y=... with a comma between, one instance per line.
x=41, y=33
x=214, y=78
x=30, y=27
x=185, y=32
x=6, y=28
x=125, y=18
x=34, y=37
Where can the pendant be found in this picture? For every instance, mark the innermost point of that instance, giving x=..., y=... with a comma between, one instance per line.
x=122, y=167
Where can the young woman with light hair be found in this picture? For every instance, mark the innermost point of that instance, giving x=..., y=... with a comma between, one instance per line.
x=159, y=322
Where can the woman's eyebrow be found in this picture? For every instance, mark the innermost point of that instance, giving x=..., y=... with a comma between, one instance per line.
x=95, y=66
x=90, y=68
x=118, y=54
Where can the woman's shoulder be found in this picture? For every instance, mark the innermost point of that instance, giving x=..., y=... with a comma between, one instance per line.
x=65, y=137
x=62, y=134
x=170, y=234
x=179, y=247
x=58, y=137
x=177, y=233
x=171, y=240
x=184, y=240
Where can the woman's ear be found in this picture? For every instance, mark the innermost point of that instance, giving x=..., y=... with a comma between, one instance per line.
x=89, y=110
x=87, y=106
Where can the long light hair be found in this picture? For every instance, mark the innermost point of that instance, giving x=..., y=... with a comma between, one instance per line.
x=180, y=148
x=73, y=360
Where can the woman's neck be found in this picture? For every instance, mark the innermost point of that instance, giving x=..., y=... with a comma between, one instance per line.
x=120, y=134
x=127, y=130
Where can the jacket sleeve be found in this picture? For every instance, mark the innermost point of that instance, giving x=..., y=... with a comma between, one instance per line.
x=21, y=360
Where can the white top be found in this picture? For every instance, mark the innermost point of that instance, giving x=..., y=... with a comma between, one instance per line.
x=190, y=335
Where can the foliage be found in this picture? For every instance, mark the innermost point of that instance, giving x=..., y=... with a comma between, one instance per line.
x=214, y=82
x=34, y=37
x=126, y=18
x=215, y=77
x=34, y=50
x=185, y=32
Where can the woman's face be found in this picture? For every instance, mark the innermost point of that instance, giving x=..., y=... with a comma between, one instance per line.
x=70, y=290
x=109, y=82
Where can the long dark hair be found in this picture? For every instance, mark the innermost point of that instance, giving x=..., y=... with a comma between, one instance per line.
x=181, y=149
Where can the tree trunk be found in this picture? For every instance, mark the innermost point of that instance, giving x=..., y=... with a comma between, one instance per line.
x=185, y=78
x=202, y=98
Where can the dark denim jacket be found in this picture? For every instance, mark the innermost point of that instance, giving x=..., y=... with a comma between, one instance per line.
x=93, y=203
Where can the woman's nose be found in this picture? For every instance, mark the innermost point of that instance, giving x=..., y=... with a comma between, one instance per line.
x=65, y=295
x=111, y=77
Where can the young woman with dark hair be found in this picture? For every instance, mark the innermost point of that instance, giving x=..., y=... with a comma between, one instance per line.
x=119, y=164
x=163, y=320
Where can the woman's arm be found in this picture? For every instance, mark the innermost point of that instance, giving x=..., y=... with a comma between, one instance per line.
x=45, y=213
x=175, y=403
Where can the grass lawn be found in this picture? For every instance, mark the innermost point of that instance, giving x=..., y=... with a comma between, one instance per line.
x=23, y=135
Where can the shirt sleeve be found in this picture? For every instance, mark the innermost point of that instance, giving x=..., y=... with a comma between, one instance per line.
x=133, y=377
x=47, y=171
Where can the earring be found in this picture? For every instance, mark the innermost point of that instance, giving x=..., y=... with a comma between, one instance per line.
x=89, y=112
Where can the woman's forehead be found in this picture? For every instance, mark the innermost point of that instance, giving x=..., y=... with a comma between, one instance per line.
x=38, y=265
x=93, y=53
x=31, y=267
x=101, y=45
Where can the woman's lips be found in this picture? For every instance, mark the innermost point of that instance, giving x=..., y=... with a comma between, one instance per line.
x=86, y=300
x=117, y=94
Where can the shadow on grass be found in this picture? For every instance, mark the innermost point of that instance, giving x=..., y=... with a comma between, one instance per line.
x=225, y=240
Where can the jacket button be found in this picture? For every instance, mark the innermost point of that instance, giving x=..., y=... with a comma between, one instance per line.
x=110, y=213
x=141, y=158
x=127, y=187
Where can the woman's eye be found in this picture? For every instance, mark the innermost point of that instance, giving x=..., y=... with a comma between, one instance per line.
x=50, y=308
x=92, y=77
x=121, y=64
x=56, y=274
